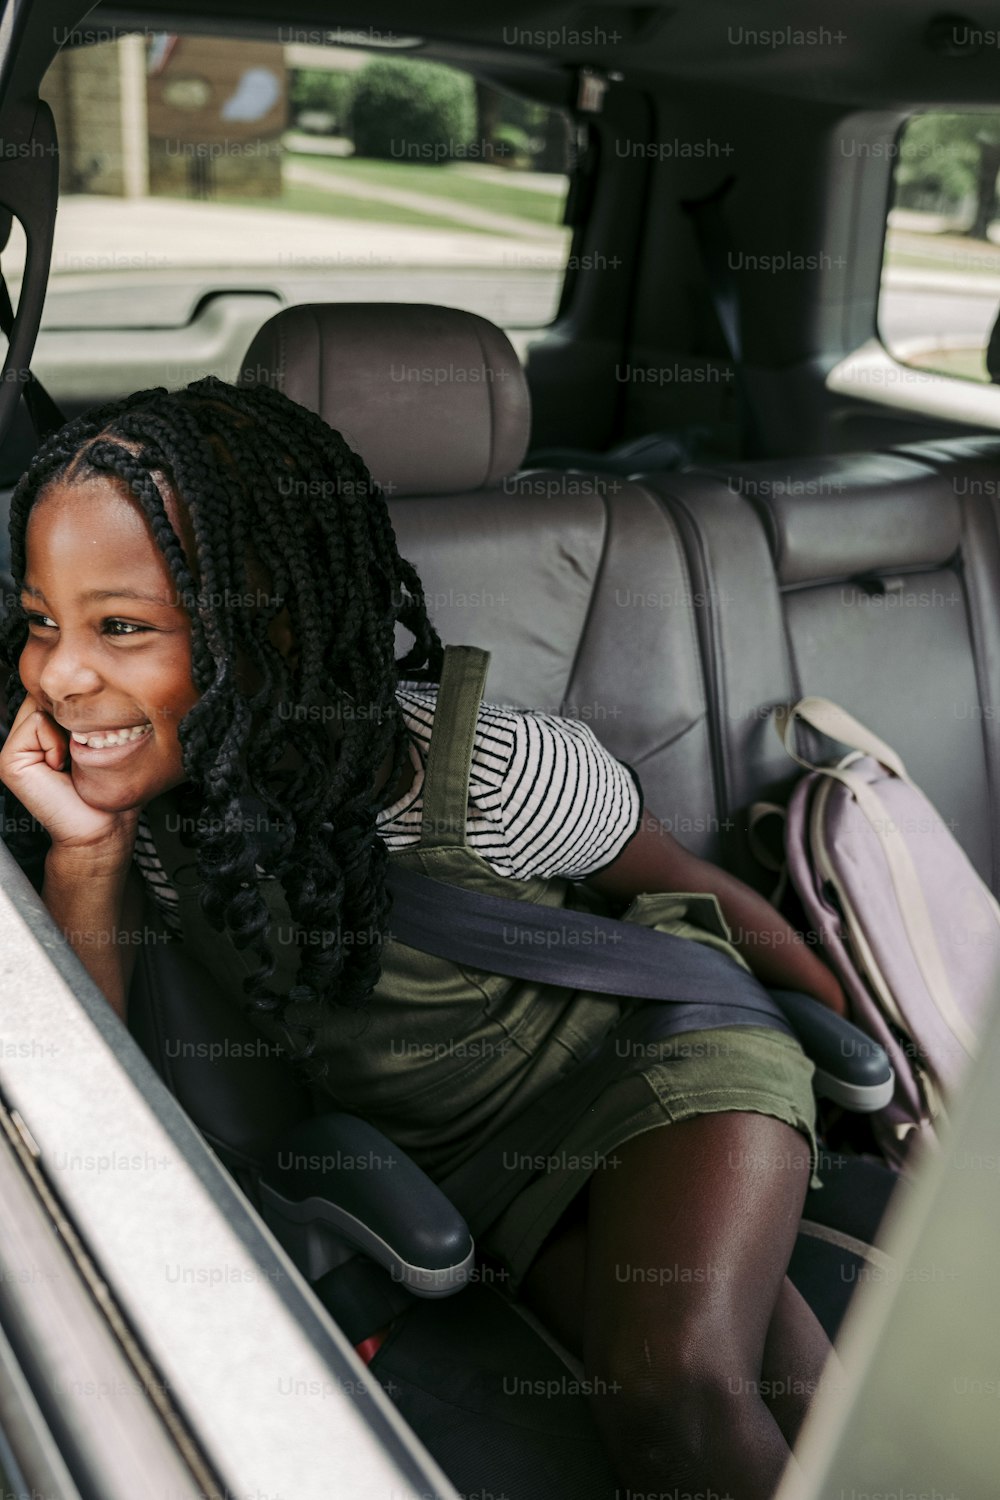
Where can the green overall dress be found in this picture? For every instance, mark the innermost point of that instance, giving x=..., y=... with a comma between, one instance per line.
x=442, y=1056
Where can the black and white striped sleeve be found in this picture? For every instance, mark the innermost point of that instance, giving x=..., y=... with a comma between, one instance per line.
x=568, y=807
x=152, y=871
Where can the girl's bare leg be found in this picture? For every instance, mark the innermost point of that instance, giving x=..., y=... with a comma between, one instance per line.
x=669, y=1281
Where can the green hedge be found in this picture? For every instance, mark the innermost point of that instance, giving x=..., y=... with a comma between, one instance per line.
x=311, y=88
x=412, y=111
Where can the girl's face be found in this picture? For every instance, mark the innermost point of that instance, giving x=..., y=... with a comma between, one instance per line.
x=109, y=643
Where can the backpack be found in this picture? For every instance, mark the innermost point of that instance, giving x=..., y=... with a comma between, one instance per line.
x=904, y=921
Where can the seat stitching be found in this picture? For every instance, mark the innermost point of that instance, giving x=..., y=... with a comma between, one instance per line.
x=492, y=407
x=595, y=584
x=671, y=739
x=711, y=658
x=975, y=631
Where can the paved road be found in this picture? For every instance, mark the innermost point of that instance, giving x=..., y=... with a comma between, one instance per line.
x=908, y=313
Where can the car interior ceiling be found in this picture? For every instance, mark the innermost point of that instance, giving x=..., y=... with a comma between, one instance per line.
x=684, y=602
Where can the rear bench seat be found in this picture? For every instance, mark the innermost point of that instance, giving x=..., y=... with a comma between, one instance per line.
x=872, y=579
x=673, y=611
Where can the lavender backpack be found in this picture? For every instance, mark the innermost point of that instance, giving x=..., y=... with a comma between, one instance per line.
x=907, y=925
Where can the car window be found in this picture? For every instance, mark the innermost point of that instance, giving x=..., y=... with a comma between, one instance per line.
x=206, y=181
x=940, y=291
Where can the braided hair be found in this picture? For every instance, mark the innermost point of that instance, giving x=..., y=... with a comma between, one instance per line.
x=268, y=489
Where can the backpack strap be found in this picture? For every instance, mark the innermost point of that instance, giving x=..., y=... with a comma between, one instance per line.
x=832, y=720
x=449, y=759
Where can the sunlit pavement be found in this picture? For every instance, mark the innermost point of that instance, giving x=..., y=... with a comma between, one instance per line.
x=109, y=234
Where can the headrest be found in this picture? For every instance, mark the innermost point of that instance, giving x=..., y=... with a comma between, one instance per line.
x=851, y=515
x=433, y=399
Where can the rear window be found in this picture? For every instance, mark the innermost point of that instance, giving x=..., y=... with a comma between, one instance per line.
x=940, y=291
x=206, y=181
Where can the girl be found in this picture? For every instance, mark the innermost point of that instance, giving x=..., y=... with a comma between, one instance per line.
x=208, y=703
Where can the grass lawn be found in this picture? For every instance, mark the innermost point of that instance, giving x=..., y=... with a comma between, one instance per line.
x=306, y=200
x=503, y=195
x=949, y=253
x=964, y=364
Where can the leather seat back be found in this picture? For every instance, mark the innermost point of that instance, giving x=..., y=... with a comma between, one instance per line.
x=576, y=583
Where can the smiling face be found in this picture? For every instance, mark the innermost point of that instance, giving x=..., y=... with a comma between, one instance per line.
x=109, y=644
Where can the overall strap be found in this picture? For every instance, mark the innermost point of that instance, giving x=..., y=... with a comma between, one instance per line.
x=446, y=777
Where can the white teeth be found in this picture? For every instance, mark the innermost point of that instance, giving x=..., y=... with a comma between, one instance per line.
x=112, y=736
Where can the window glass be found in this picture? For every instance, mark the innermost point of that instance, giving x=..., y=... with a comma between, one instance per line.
x=206, y=181
x=940, y=294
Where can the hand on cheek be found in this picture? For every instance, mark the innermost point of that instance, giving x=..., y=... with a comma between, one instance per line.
x=35, y=765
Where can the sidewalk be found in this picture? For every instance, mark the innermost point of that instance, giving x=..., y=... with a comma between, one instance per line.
x=114, y=235
x=918, y=278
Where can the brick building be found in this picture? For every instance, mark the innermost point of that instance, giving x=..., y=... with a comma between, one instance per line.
x=187, y=116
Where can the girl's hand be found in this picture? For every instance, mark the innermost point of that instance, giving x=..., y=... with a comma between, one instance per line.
x=34, y=763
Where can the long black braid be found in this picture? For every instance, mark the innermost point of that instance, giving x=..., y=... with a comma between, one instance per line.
x=271, y=492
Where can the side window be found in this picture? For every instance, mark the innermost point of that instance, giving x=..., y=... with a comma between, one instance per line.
x=939, y=303
x=206, y=181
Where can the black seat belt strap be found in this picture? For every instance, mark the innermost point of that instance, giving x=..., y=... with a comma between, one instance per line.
x=713, y=242
x=580, y=950
x=46, y=418
x=556, y=945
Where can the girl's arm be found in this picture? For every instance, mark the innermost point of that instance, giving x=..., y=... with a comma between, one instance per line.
x=98, y=907
x=653, y=860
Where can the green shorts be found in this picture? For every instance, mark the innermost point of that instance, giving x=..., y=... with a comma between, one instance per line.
x=733, y=1068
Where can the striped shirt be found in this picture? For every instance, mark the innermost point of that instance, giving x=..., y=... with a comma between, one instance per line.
x=545, y=797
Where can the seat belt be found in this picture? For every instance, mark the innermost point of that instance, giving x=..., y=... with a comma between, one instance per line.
x=708, y=990
x=713, y=241
x=580, y=950
x=46, y=418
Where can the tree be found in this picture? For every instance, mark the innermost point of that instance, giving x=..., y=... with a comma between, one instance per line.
x=324, y=90
x=947, y=159
x=986, y=182
x=411, y=109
